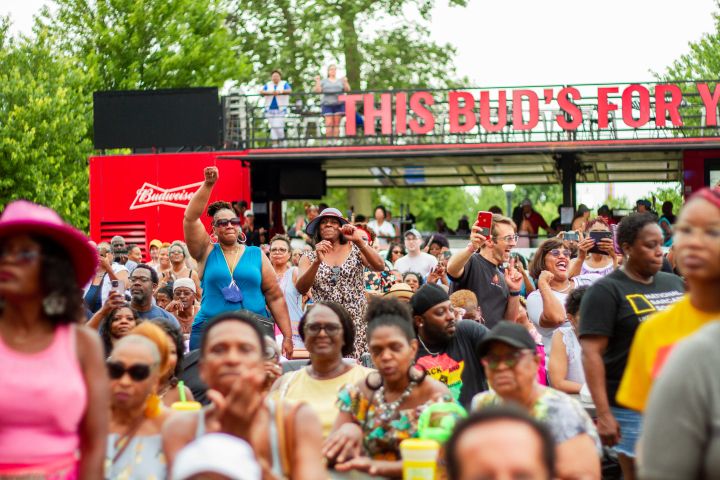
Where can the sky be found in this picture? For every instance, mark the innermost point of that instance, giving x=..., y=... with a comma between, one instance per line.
x=539, y=42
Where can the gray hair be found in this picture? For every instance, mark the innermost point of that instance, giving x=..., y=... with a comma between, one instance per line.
x=134, y=339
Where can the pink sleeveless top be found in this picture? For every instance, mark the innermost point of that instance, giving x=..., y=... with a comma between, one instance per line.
x=42, y=402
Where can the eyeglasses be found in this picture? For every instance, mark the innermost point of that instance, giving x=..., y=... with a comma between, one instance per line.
x=140, y=279
x=235, y=222
x=279, y=250
x=137, y=372
x=508, y=238
x=314, y=328
x=510, y=360
x=335, y=272
x=399, y=252
x=23, y=257
x=556, y=252
x=176, y=251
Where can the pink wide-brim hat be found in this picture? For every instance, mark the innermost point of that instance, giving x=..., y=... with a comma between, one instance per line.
x=23, y=217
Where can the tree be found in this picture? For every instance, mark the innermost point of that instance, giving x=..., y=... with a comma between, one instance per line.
x=129, y=44
x=299, y=36
x=44, y=121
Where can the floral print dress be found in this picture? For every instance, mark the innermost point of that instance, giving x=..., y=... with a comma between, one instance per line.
x=344, y=284
x=382, y=437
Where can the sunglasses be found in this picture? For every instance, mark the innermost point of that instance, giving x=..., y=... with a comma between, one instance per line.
x=510, y=360
x=556, y=252
x=335, y=272
x=314, y=328
x=137, y=372
x=399, y=252
x=235, y=222
x=176, y=251
x=25, y=257
x=278, y=250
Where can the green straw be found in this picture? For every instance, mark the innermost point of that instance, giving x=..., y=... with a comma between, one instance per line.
x=181, y=389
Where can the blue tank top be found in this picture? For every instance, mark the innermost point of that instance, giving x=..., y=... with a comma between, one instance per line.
x=216, y=276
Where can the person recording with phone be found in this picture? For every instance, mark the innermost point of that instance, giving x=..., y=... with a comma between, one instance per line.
x=477, y=268
x=596, y=251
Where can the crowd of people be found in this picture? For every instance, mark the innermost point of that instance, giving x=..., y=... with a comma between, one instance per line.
x=215, y=358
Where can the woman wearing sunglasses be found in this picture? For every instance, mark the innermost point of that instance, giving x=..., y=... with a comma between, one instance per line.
x=511, y=362
x=395, y=251
x=135, y=368
x=546, y=305
x=233, y=276
x=329, y=335
x=53, y=406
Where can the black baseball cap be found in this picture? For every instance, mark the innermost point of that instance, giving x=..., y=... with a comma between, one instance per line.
x=510, y=333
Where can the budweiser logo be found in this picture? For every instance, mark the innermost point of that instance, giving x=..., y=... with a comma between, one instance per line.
x=150, y=195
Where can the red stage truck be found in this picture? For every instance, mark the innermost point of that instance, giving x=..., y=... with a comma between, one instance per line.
x=143, y=197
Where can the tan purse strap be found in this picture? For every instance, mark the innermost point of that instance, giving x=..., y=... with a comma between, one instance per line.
x=286, y=434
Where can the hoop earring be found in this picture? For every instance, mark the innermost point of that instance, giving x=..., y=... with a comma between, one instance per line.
x=242, y=238
x=213, y=238
x=54, y=304
x=152, y=406
x=376, y=382
x=417, y=377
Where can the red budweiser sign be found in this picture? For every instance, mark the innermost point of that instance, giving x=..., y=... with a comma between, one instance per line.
x=150, y=195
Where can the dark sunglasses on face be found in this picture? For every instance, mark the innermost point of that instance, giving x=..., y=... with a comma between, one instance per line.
x=555, y=252
x=510, y=360
x=137, y=372
x=235, y=222
x=314, y=329
x=398, y=252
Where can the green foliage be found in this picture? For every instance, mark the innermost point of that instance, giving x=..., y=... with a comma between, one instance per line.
x=44, y=121
x=671, y=193
x=301, y=36
x=702, y=62
x=130, y=44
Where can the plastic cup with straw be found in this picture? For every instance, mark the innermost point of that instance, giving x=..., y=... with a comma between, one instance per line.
x=183, y=405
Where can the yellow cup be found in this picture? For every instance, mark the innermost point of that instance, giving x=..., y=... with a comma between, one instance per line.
x=186, y=406
x=419, y=458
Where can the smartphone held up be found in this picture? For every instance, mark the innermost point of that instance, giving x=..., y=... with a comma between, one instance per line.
x=484, y=221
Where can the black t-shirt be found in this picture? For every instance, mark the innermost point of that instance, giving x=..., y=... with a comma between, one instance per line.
x=614, y=306
x=487, y=282
x=457, y=364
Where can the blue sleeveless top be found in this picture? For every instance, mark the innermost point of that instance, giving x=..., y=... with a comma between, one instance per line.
x=247, y=275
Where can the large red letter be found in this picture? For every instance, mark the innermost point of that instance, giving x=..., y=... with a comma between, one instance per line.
x=384, y=114
x=517, y=112
x=567, y=106
x=418, y=100
x=664, y=107
x=603, y=106
x=467, y=111
x=350, y=100
x=401, y=113
x=711, y=102
x=485, y=111
x=643, y=103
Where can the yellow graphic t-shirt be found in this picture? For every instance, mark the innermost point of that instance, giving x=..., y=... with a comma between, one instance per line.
x=653, y=342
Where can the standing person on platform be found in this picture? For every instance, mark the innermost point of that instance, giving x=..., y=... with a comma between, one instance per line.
x=277, y=98
x=334, y=270
x=332, y=108
x=610, y=313
x=448, y=347
x=384, y=230
x=287, y=275
x=54, y=403
x=697, y=252
x=416, y=260
x=234, y=276
x=477, y=268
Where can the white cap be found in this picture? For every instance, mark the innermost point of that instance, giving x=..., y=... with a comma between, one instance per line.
x=217, y=453
x=184, y=282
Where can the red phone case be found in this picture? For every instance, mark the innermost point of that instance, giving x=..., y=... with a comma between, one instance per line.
x=484, y=220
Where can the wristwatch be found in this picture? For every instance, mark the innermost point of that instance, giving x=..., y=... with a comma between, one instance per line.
x=515, y=294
